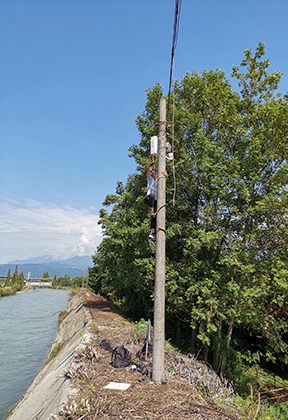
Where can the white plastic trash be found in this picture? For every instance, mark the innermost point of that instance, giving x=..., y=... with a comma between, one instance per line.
x=117, y=385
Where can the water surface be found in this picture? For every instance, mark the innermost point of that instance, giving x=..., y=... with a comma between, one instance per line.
x=28, y=327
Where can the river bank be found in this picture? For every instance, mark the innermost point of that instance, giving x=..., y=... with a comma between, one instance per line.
x=74, y=383
x=50, y=389
x=9, y=291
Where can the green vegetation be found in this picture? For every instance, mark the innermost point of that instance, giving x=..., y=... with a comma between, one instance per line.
x=62, y=316
x=227, y=234
x=6, y=291
x=141, y=328
x=46, y=275
x=12, y=284
x=266, y=394
x=16, y=282
x=66, y=281
x=54, y=351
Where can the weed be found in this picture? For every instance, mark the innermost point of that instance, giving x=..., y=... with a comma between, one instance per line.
x=82, y=353
x=8, y=409
x=140, y=328
x=280, y=411
x=62, y=316
x=54, y=351
x=172, y=348
x=94, y=325
x=72, y=293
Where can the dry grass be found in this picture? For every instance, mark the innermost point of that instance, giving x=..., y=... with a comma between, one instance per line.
x=176, y=398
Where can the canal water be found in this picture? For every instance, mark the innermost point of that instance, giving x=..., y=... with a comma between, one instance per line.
x=28, y=327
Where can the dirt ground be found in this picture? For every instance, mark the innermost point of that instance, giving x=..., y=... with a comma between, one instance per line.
x=173, y=399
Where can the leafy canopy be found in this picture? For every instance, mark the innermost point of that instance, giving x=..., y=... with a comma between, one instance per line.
x=226, y=248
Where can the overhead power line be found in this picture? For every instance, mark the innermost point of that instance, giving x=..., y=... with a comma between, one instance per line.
x=174, y=41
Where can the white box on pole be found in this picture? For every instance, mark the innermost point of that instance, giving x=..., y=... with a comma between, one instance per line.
x=154, y=145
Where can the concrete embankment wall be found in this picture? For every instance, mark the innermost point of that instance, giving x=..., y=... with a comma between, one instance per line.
x=51, y=388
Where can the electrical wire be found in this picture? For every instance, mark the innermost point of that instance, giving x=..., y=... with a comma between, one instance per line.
x=177, y=11
x=174, y=42
x=178, y=4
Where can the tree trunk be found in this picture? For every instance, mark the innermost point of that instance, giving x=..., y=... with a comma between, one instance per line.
x=218, y=346
x=205, y=347
x=206, y=351
x=178, y=334
x=224, y=354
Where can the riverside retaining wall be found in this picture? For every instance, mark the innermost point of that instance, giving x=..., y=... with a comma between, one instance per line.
x=51, y=388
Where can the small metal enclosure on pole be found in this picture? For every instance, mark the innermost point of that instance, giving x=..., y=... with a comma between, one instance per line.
x=147, y=338
x=153, y=145
x=159, y=297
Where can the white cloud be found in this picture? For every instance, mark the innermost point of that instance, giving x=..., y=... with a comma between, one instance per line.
x=34, y=229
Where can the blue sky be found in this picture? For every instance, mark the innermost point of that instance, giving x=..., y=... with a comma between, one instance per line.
x=73, y=75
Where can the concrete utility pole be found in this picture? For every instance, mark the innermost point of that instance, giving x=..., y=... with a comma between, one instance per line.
x=159, y=298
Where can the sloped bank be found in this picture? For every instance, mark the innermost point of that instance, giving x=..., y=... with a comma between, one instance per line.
x=52, y=396
x=51, y=388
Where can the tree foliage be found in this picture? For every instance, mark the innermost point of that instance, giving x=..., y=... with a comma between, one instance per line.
x=17, y=281
x=226, y=247
x=8, y=278
x=66, y=281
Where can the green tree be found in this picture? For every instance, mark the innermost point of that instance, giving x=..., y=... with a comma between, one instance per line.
x=8, y=278
x=129, y=260
x=21, y=280
x=77, y=281
x=15, y=275
x=232, y=160
x=54, y=281
x=226, y=245
x=17, y=281
x=64, y=281
x=46, y=275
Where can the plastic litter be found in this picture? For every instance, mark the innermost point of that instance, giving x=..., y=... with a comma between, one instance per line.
x=117, y=385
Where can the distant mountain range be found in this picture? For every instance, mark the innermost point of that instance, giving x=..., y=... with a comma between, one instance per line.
x=76, y=266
